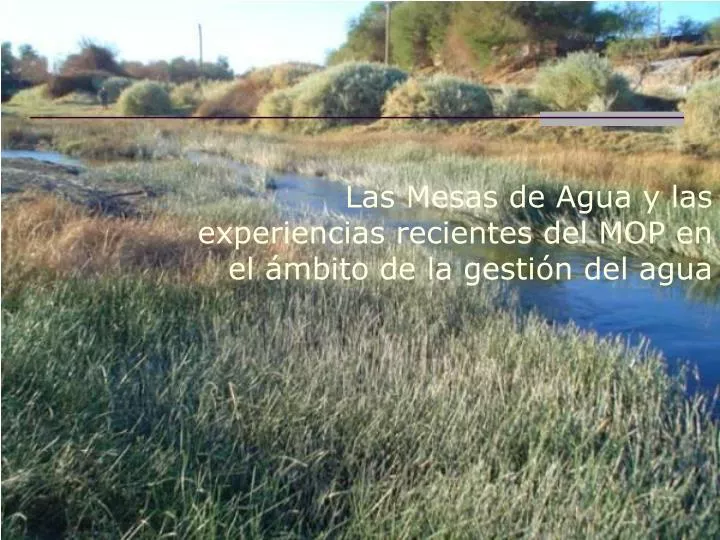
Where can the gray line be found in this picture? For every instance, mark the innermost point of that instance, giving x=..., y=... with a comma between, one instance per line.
x=616, y=119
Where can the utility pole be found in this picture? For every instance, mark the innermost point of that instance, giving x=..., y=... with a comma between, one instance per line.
x=387, y=32
x=200, y=40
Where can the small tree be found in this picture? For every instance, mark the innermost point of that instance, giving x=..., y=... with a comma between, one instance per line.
x=418, y=32
x=8, y=61
x=219, y=71
x=713, y=30
x=9, y=77
x=685, y=26
x=92, y=57
x=365, y=39
x=635, y=19
x=31, y=66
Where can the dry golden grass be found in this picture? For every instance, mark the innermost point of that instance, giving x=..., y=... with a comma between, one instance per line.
x=44, y=235
x=240, y=100
x=618, y=157
x=651, y=170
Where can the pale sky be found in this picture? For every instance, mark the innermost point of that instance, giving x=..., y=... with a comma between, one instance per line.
x=249, y=33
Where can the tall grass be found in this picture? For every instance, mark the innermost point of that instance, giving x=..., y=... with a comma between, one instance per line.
x=296, y=409
x=403, y=166
x=140, y=406
x=702, y=114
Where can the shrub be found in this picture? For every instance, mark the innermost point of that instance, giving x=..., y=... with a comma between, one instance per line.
x=188, y=94
x=702, y=113
x=115, y=87
x=277, y=103
x=78, y=98
x=347, y=90
x=628, y=48
x=282, y=75
x=240, y=100
x=31, y=96
x=88, y=82
x=92, y=57
x=243, y=96
x=145, y=98
x=582, y=80
x=192, y=94
x=713, y=31
x=513, y=102
x=440, y=95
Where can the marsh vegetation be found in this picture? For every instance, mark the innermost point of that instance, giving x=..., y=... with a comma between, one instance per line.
x=147, y=394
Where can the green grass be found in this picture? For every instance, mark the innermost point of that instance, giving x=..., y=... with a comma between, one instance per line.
x=405, y=165
x=34, y=101
x=397, y=167
x=138, y=407
x=299, y=410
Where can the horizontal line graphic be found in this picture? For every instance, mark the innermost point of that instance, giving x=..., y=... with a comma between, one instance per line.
x=628, y=117
x=635, y=119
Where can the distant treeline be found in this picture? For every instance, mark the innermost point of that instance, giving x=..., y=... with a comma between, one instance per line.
x=81, y=71
x=460, y=35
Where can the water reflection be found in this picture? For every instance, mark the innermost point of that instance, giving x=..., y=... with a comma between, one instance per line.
x=49, y=157
x=682, y=320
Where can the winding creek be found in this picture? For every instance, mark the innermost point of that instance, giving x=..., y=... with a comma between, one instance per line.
x=681, y=320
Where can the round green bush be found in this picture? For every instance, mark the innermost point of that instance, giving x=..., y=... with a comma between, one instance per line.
x=514, y=102
x=702, y=113
x=282, y=75
x=277, y=103
x=115, y=87
x=189, y=94
x=347, y=90
x=581, y=81
x=440, y=95
x=145, y=98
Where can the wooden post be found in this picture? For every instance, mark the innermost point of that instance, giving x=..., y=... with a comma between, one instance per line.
x=387, y=32
x=201, y=51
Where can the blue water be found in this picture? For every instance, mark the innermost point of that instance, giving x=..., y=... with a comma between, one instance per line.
x=682, y=320
x=48, y=157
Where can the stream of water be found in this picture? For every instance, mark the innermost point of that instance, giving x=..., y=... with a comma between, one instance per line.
x=46, y=156
x=682, y=320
